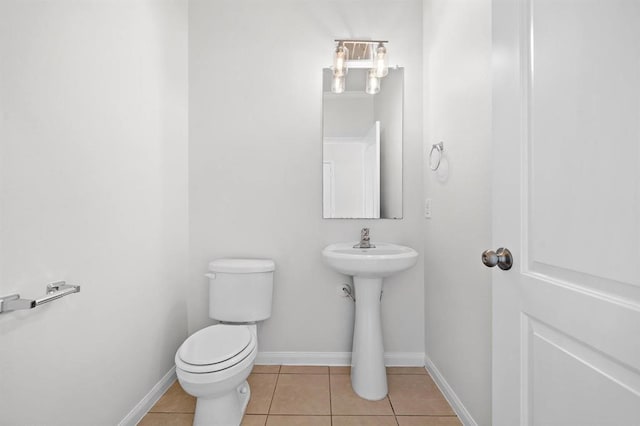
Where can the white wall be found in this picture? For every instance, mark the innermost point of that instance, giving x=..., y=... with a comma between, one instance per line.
x=347, y=114
x=255, y=162
x=93, y=146
x=457, y=285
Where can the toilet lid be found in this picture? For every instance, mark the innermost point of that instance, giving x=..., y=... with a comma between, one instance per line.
x=215, y=344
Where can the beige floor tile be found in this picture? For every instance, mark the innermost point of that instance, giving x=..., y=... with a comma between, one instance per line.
x=299, y=421
x=304, y=394
x=167, y=419
x=175, y=400
x=265, y=369
x=428, y=421
x=262, y=387
x=344, y=400
x=416, y=395
x=406, y=370
x=339, y=370
x=364, y=421
x=253, y=420
x=304, y=369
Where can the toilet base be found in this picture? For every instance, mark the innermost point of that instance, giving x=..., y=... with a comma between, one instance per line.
x=226, y=410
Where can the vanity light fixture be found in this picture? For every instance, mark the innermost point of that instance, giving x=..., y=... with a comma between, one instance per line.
x=340, y=60
x=373, y=82
x=338, y=83
x=381, y=61
x=371, y=54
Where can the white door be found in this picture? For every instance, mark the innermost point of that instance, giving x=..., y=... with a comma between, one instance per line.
x=371, y=172
x=566, y=107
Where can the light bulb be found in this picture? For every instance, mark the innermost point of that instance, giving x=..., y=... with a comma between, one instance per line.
x=337, y=84
x=373, y=82
x=381, y=64
x=340, y=61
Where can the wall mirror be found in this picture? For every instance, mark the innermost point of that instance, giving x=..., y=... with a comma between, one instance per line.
x=362, y=147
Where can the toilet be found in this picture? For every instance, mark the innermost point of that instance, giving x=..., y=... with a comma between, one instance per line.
x=213, y=363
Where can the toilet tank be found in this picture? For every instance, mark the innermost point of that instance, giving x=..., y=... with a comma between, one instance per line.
x=240, y=290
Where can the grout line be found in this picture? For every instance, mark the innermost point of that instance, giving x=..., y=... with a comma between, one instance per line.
x=304, y=374
x=391, y=403
x=395, y=417
x=437, y=416
x=330, y=405
x=361, y=415
x=273, y=394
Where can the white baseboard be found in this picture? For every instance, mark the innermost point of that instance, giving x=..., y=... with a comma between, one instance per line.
x=304, y=358
x=391, y=359
x=142, y=407
x=449, y=394
x=404, y=359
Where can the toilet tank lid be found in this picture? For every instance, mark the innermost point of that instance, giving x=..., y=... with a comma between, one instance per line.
x=242, y=266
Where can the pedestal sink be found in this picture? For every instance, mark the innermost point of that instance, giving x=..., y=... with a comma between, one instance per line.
x=369, y=266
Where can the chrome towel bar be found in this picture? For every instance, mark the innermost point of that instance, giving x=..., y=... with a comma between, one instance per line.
x=55, y=291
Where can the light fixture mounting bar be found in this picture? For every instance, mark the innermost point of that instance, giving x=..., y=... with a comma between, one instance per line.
x=360, y=49
x=348, y=40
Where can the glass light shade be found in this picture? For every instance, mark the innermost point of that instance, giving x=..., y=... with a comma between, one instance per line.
x=340, y=61
x=338, y=84
x=373, y=82
x=381, y=63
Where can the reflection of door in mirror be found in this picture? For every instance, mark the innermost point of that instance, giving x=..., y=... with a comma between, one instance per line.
x=362, y=148
x=328, y=189
x=351, y=175
x=371, y=171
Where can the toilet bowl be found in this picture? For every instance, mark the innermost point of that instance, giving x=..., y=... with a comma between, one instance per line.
x=213, y=365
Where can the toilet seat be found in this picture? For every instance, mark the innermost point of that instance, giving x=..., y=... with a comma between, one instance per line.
x=215, y=348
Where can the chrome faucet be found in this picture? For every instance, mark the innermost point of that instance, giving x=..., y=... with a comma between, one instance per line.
x=364, y=239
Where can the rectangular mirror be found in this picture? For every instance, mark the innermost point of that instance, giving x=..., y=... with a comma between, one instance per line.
x=362, y=147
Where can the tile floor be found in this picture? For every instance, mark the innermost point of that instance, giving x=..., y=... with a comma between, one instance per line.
x=321, y=396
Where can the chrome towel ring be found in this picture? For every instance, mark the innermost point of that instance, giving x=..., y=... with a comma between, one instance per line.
x=435, y=148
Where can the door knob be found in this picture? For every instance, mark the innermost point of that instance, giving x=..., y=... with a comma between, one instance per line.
x=501, y=257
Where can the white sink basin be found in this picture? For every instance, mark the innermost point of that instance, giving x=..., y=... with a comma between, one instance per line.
x=382, y=261
x=369, y=267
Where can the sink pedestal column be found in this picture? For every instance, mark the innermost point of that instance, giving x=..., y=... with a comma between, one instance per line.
x=368, y=373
